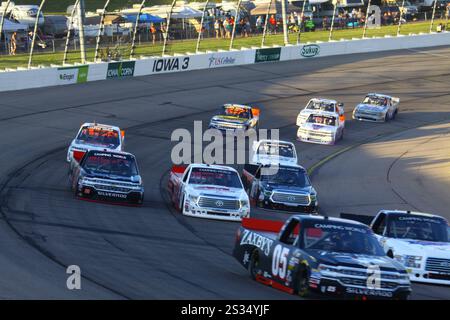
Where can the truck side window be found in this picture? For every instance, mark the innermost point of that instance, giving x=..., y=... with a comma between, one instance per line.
x=291, y=232
x=380, y=224
x=186, y=175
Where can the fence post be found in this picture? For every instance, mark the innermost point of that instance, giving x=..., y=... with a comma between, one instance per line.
x=432, y=16
x=201, y=27
x=265, y=23
x=81, y=14
x=300, y=22
x=135, y=29
x=166, y=34
x=332, y=21
x=66, y=48
x=284, y=18
x=236, y=20
x=366, y=20
x=36, y=22
x=400, y=18
x=100, y=30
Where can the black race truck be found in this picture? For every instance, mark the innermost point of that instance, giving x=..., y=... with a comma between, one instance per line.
x=284, y=187
x=310, y=255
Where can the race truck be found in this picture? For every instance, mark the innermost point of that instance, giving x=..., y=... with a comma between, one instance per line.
x=106, y=175
x=310, y=255
x=377, y=107
x=234, y=118
x=208, y=191
x=94, y=136
x=274, y=151
x=322, y=127
x=419, y=241
x=320, y=104
x=280, y=187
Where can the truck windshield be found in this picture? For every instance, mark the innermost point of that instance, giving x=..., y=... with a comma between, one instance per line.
x=418, y=228
x=320, y=105
x=276, y=149
x=335, y=237
x=288, y=176
x=215, y=177
x=99, y=135
x=376, y=101
x=110, y=164
x=236, y=111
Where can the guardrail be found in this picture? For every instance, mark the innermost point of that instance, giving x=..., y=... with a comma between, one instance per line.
x=80, y=73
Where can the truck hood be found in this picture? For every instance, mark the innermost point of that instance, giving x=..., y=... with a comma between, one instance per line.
x=93, y=146
x=420, y=248
x=370, y=108
x=319, y=127
x=287, y=189
x=229, y=119
x=215, y=191
x=355, y=260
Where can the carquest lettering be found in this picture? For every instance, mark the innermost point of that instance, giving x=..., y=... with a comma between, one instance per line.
x=257, y=240
x=170, y=64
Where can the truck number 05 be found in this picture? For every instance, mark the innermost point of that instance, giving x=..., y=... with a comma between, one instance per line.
x=279, y=262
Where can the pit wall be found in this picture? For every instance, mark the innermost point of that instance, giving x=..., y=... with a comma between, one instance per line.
x=70, y=74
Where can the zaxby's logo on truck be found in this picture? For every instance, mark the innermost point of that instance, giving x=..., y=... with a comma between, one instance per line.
x=170, y=64
x=268, y=54
x=120, y=69
x=310, y=50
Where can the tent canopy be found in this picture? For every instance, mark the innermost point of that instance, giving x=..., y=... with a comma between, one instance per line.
x=275, y=8
x=10, y=26
x=143, y=18
x=178, y=12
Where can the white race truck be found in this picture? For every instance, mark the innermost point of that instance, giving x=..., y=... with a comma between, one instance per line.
x=274, y=152
x=322, y=127
x=208, y=191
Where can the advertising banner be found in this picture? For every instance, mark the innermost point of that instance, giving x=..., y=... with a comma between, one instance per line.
x=69, y=75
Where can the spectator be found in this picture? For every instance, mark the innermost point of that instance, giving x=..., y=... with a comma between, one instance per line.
x=153, y=31
x=273, y=24
x=217, y=28
x=259, y=24
x=14, y=43
x=248, y=28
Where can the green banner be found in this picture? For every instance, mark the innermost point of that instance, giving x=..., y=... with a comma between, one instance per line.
x=70, y=75
x=120, y=69
x=268, y=54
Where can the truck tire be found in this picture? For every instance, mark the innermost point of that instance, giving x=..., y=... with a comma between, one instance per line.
x=253, y=264
x=302, y=282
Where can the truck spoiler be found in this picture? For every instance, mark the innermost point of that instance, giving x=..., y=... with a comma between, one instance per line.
x=357, y=217
x=178, y=170
x=262, y=225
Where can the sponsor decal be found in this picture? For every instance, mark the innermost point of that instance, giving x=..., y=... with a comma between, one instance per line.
x=310, y=50
x=170, y=64
x=111, y=195
x=257, y=240
x=215, y=61
x=120, y=69
x=369, y=292
x=70, y=75
x=268, y=54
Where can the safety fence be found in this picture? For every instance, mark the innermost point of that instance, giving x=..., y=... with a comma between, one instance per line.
x=23, y=78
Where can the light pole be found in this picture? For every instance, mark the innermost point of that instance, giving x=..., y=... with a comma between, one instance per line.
x=135, y=29
x=236, y=20
x=66, y=48
x=36, y=22
x=100, y=30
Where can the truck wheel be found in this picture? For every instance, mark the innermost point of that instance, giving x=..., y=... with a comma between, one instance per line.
x=302, y=286
x=394, y=114
x=181, y=205
x=253, y=264
x=390, y=254
x=386, y=117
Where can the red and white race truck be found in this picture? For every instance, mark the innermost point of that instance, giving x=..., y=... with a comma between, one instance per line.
x=208, y=191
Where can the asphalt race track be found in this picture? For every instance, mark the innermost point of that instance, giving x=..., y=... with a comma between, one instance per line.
x=151, y=251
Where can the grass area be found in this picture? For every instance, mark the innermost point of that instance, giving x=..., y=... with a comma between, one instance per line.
x=214, y=44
